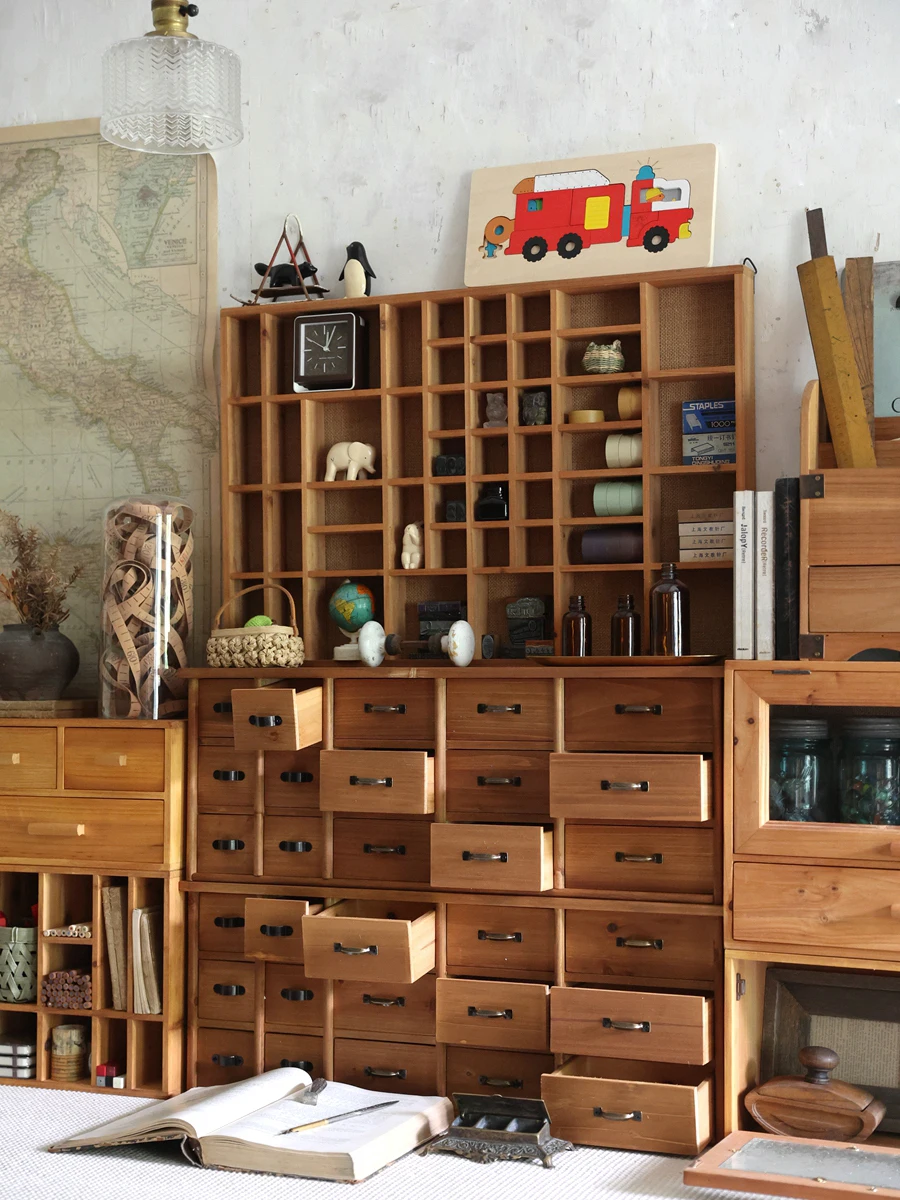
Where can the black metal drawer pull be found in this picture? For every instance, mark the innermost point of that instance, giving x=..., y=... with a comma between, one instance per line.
x=296, y=777
x=652, y=710
x=400, y=709
x=381, y=1073
x=385, y=1001
x=228, y=844
x=228, y=1060
x=295, y=847
x=484, y=936
x=621, y=856
x=500, y=708
x=229, y=776
x=229, y=922
x=613, y=1116
x=501, y=1014
x=370, y=781
x=612, y=785
x=229, y=989
x=339, y=948
x=296, y=994
x=490, y=1081
x=277, y=930
x=640, y=943
x=369, y=848
x=222, y=706
x=499, y=780
x=478, y=856
x=303, y=1063
x=626, y=1026
x=265, y=722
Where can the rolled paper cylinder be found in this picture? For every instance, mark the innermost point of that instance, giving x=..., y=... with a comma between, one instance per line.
x=624, y=450
x=629, y=403
x=586, y=416
x=618, y=498
x=621, y=544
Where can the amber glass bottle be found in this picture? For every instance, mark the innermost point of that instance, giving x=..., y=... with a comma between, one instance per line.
x=670, y=616
x=576, y=629
x=625, y=629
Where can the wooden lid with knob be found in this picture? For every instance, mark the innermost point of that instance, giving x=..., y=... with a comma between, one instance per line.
x=815, y=1105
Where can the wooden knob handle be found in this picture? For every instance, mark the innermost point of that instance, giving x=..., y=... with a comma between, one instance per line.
x=54, y=829
x=819, y=1062
x=13, y=760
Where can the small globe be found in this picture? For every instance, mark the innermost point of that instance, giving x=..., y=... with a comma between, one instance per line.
x=350, y=606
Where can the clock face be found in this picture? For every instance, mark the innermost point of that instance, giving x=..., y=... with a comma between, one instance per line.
x=325, y=352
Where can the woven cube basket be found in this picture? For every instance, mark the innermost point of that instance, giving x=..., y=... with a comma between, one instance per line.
x=18, y=965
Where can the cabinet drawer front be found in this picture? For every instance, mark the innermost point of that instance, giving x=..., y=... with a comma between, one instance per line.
x=647, y=1026
x=226, y=991
x=834, y=599
x=635, y=858
x=628, y=945
x=226, y=778
x=292, y=999
x=27, y=759
x=377, y=781
x=509, y=713
x=114, y=760
x=273, y=929
x=371, y=941
x=401, y=1011
x=508, y=1016
x=515, y=1073
x=496, y=939
x=225, y=844
x=640, y=714
x=492, y=858
x=384, y=712
x=275, y=718
x=224, y=1056
x=848, y=908
x=659, y=1110
x=633, y=787
x=214, y=707
x=220, y=923
x=293, y=847
x=384, y=851
x=294, y=1050
x=78, y=831
x=292, y=780
x=498, y=786
x=386, y=1066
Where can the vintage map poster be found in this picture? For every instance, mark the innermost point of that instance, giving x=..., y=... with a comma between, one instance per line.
x=107, y=331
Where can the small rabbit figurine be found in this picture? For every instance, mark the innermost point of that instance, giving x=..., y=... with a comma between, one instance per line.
x=412, y=555
x=603, y=360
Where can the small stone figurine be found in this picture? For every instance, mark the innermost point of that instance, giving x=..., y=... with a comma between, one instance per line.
x=495, y=407
x=535, y=407
x=356, y=458
x=603, y=360
x=413, y=553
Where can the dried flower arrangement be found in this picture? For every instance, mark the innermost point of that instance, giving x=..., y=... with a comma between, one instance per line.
x=34, y=587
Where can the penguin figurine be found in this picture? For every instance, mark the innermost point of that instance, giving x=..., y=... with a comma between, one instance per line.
x=357, y=274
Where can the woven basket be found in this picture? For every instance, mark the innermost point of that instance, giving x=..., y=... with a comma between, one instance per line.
x=260, y=646
x=604, y=360
x=18, y=965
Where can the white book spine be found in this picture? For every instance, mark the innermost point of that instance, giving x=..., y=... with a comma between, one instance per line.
x=765, y=575
x=744, y=570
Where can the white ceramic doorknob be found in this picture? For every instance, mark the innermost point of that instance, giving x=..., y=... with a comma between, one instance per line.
x=459, y=643
x=371, y=644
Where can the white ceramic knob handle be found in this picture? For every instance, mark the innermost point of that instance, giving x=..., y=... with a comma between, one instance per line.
x=459, y=643
x=371, y=644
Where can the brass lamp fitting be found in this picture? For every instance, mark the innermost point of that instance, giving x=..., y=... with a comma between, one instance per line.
x=170, y=18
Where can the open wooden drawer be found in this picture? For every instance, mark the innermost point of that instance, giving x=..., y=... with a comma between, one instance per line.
x=276, y=718
x=371, y=940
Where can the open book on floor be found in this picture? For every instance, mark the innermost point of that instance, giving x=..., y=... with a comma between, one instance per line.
x=239, y=1126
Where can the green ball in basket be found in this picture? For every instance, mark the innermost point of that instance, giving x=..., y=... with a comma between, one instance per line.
x=258, y=643
x=350, y=606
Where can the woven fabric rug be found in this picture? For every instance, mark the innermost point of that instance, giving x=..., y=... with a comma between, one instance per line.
x=31, y=1118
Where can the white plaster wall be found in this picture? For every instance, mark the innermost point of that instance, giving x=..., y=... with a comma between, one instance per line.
x=367, y=117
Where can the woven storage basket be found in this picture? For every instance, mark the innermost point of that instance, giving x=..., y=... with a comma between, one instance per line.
x=259, y=646
x=18, y=965
x=604, y=360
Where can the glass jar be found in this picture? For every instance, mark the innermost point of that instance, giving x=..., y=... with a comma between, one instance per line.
x=670, y=615
x=801, y=771
x=492, y=504
x=625, y=629
x=870, y=771
x=147, y=607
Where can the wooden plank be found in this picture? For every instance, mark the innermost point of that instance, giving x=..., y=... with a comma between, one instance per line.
x=859, y=303
x=833, y=350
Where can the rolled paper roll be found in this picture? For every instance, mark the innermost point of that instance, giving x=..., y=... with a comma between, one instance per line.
x=618, y=498
x=629, y=403
x=586, y=416
x=619, y=544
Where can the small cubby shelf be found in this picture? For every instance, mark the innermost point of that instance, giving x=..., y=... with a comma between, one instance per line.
x=432, y=359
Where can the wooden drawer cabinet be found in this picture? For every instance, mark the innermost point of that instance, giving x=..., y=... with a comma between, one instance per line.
x=226, y=779
x=632, y=787
x=640, y=714
x=386, y=1066
x=98, y=760
x=377, y=781
x=492, y=858
x=274, y=718
x=27, y=759
x=292, y=999
x=384, y=713
x=400, y=1011
x=220, y=923
x=651, y=1107
x=649, y=1026
x=658, y=946
x=273, y=929
x=370, y=940
x=482, y=713
x=496, y=785
x=294, y=1050
x=81, y=831
x=226, y=844
x=293, y=847
x=496, y=940
x=292, y=780
x=496, y=1072
x=382, y=850
x=226, y=991
x=635, y=858
x=475, y=1012
x=224, y=1056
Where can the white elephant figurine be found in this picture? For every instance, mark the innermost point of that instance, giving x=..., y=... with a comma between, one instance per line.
x=413, y=553
x=356, y=458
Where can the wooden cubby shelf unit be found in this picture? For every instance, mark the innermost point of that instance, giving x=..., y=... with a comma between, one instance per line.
x=433, y=357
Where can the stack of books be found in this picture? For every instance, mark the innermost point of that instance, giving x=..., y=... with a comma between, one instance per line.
x=767, y=572
x=708, y=432
x=706, y=534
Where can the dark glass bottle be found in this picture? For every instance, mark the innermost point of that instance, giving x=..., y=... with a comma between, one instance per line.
x=625, y=629
x=670, y=615
x=492, y=504
x=576, y=629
